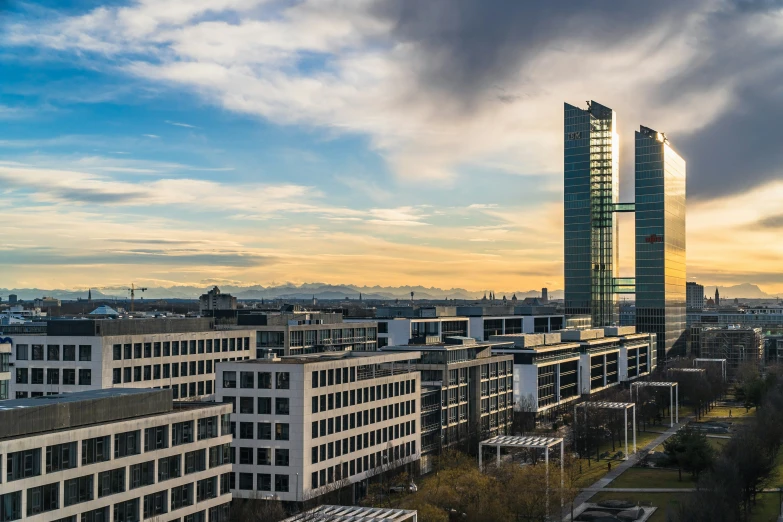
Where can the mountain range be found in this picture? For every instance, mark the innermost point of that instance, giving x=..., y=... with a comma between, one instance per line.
x=284, y=291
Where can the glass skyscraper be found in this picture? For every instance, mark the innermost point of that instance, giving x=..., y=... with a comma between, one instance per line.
x=591, y=165
x=660, y=241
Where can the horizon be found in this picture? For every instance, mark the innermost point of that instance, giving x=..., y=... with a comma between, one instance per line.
x=239, y=143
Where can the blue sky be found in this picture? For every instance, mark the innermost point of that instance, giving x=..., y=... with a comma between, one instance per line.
x=261, y=141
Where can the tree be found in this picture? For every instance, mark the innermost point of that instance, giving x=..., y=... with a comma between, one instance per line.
x=690, y=450
x=257, y=509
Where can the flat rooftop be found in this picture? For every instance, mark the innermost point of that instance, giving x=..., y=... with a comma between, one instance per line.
x=26, y=417
x=363, y=357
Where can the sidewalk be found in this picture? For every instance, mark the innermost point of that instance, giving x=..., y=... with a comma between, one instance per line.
x=617, y=470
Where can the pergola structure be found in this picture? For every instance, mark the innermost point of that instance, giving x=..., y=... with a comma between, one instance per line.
x=354, y=514
x=696, y=371
x=722, y=362
x=625, y=406
x=527, y=442
x=674, y=397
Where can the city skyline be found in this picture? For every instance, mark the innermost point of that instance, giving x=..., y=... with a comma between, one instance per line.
x=202, y=143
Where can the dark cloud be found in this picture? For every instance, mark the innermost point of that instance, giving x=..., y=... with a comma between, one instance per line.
x=772, y=222
x=469, y=49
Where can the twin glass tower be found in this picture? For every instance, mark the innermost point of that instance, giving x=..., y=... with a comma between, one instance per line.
x=591, y=175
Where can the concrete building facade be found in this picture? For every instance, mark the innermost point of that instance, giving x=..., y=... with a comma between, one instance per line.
x=141, y=353
x=215, y=300
x=115, y=455
x=306, y=425
x=694, y=296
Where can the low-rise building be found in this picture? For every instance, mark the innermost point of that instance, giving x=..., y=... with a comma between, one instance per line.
x=307, y=425
x=553, y=370
x=466, y=390
x=91, y=354
x=215, y=300
x=299, y=332
x=122, y=454
x=737, y=344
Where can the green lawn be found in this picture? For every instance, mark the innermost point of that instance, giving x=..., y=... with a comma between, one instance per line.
x=663, y=501
x=652, y=478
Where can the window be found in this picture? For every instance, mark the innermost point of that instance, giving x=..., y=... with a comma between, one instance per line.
x=245, y=455
x=281, y=431
x=246, y=481
x=282, y=380
x=21, y=352
x=142, y=474
x=207, y=428
x=43, y=498
x=264, y=456
x=281, y=406
x=245, y=430
x=315, y=380
x=137, y=350
x=229, y=379
x=281, y=483
x=21, y=464
x=96, y=515
x=116, y=376
x=127, y=511
x=126, y=444
x=156, y=438
x=195, y=461
x=69, y=377
x=206, y=489
x=169, y=467
x=53, y=352
x=265, y=430
x=147, y=350
x=111, y=482
x=60, y=457
x=96, y=450
x=246, y=405
x=264, y=405
x=281, y=457
x=246, y=380
x=148, y=372
x=181, y=496
x=36, y=375
x=78, y=490
x=265, y=380
x=264, y=482
x=21, y=376
x=181, y=433
x=85, y=352
x=219, y=455
x=85, y=377
x=38, y=352
x=156, y=503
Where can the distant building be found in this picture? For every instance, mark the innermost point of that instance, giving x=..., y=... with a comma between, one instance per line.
x=46, y=302
x=694, y=296
x=5, y=369
x=306, y=425
x=13, y=298
x=299, y=332
x=660, y=241
x=93, y=354
x=466, y=391
x=738, y=345
x=544, y=295
x=122, y=455
x=717, y=298
x=214, y=300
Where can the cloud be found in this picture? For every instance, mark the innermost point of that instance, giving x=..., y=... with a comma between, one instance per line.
x=772, y=221
x=178, y=124
x=154, y=136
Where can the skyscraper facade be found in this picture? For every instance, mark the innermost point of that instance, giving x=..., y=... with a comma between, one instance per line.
x=591, y=165
x=660, y=241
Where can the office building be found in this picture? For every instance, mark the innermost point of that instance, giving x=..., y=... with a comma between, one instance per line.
x=118, y=455
x=215, y=300
x=694, y=296
x=553, y=370
x=299, y=332
x=92, y=354
x=591, y=170
x=660, y=241
x=466, y=391
x=737, y=344
x=309, y=424
x=5, y=369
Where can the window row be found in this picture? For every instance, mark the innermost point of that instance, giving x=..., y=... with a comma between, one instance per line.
x=36, y=376
x=175, y=348
x=390, y=457
x=247, y=405
x=359, y=442
x=282, y=380
x=52, y=351
x=350, y=421
x=345, y=399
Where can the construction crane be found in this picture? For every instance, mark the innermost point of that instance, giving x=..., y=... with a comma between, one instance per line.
x=133, y=288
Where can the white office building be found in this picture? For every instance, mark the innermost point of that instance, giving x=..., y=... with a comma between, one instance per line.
x=120, y=455
x=80, y=355
x=306, y=425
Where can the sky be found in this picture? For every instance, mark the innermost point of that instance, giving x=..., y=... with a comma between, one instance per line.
x=391, y=142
